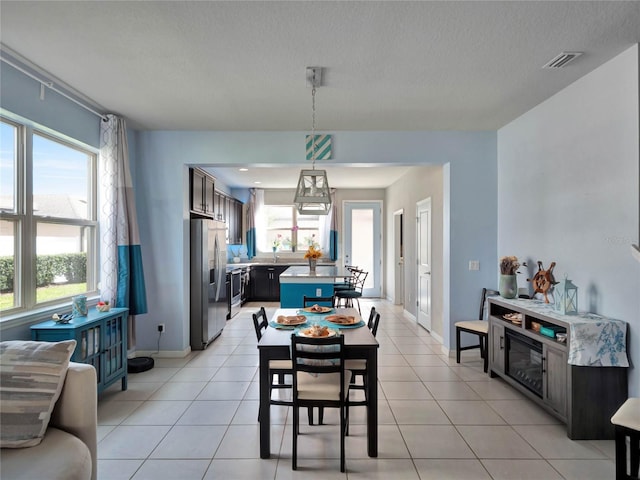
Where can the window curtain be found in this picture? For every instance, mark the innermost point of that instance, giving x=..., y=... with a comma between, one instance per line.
x=255, y=224
x=122, y=275
x=329, y=230
x=259, y=220
x=251, y=224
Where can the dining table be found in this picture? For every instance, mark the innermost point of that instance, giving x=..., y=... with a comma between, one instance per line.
x=359, y=343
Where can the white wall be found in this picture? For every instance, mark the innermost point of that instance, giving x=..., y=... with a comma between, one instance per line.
x=568, y=191
x=420, y=183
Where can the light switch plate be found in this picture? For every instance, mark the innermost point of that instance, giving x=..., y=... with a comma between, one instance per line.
x=474, y=265
x=318, y=292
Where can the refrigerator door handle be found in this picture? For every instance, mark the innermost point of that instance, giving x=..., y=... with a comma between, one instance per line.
x=216, y=262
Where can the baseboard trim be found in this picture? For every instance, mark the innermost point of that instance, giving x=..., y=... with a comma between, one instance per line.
x=409, y=315
x=163, y=353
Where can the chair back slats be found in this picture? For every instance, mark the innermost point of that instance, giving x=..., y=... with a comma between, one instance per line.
x=310, y=301
x=317, y=355
x=260, y=322
x=372, y=315
x=359, y=281
x=374, y=327
x=483, y=301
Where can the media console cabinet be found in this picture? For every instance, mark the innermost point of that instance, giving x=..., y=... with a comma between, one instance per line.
x=572, y=380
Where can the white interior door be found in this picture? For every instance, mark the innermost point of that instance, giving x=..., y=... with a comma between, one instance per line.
x=363, y=242
x=423, y=255
x=398, y=257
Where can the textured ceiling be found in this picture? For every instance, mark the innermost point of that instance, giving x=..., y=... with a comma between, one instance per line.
x=208, y=65
x=205, y=65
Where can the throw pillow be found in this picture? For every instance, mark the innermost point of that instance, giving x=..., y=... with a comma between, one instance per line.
x=31, y=379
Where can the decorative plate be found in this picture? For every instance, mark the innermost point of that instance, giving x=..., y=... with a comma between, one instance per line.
x=317, y=309
x=317, y=332
x=291, y=320
x=513, y=318
x=342, y=319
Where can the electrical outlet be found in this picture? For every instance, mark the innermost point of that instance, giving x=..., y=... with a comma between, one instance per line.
x=318, y=292
x=161, y=327
x=474, y=265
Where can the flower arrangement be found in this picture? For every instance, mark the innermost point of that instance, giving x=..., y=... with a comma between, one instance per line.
x=311, y=241
x=277, y=241
x=509, y=265
x=103, y=306
x=313, y=252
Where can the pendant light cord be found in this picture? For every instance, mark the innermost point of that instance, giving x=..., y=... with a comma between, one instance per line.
x=313, y=127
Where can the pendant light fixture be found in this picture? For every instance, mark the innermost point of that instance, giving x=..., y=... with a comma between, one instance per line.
x=313, y=196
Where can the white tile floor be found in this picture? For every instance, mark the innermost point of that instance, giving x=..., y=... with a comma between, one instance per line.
x=196, y=418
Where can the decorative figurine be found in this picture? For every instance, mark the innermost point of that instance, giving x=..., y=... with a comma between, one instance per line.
x=543, y=280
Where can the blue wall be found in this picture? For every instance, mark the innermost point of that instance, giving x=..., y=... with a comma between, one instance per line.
x=164, y=156
x=20, y=94
x=159, y=167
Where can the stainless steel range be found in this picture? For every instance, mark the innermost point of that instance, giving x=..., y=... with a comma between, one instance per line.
x=235, y=297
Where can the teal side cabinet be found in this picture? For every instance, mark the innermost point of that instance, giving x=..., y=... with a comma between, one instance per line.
x=101, y=341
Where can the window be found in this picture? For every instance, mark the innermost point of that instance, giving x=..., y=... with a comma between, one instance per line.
x=48, y=224
x=287, y=231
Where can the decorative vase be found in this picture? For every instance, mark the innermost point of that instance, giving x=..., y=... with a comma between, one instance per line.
x=79, y=306
x=312, y=264
x=508, y=286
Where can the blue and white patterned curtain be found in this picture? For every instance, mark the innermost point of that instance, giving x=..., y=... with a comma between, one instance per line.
x=329, y=230
x=251, y=224
x=122, y=275
x=256, y=224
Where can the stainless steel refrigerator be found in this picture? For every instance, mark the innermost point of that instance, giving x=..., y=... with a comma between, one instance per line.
x=208, y=277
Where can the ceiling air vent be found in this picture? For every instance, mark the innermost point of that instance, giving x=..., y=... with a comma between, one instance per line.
x=562, y=60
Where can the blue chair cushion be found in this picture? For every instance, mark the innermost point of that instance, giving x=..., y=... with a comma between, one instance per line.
x=348, y=294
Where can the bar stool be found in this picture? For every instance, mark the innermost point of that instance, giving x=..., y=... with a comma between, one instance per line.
x=626, y=422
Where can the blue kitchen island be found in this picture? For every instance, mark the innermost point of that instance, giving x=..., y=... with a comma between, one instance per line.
x=297, y=282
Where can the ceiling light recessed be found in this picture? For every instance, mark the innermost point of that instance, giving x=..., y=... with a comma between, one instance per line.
x=243, y=169
x=257, y=182
x=562, y=59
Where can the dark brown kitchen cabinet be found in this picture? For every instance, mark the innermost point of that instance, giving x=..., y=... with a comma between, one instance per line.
x=202, y=192
x=265, y=282
x=220, y=206
x=234, y=221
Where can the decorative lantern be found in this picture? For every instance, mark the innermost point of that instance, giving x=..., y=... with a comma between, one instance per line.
x=313, y=195
x=566, y=297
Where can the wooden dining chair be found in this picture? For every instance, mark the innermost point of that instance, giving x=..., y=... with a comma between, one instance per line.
x=322, y=301
x=319, y=380
x=276, y=367
x=358, y=366
x=479, y=327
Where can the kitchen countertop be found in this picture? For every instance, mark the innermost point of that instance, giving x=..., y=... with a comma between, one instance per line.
x=323, y=274
x=233, y=266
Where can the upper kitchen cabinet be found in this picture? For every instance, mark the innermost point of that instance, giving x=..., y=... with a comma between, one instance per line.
x=234, y=222
x=202, y=192
x=220, y=206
